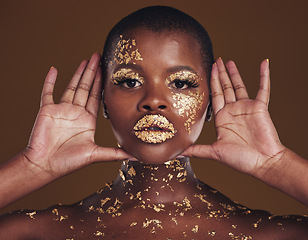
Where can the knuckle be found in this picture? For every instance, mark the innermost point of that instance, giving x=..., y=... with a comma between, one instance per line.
x=216, y=94
x=239, y=87
x=71, y=88
x=226, y=86
x=84, y=86
x=96, y=96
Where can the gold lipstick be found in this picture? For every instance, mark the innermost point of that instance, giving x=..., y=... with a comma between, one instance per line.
x=154, y=129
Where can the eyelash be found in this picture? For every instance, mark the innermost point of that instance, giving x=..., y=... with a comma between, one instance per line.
x=122, y=81
x=189, y=83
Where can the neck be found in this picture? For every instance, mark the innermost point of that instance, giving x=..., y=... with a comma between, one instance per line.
x=164, y=183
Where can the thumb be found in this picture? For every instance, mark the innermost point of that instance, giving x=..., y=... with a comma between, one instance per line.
x=200, y=151
x=102, y=154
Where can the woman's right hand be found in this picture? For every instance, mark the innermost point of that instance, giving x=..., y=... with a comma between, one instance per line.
x=62, y=138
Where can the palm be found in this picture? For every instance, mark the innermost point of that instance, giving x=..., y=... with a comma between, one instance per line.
x=72, y=134
x=246, y=137
x=62, y=139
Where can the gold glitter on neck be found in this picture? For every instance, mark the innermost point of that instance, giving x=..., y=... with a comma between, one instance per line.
x=124, y=52
x=31, y=214
x=188, y=104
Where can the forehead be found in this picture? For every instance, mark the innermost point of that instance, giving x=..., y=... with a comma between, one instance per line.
x=161, y=49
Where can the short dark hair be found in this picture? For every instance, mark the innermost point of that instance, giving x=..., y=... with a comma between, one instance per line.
x=159, y=19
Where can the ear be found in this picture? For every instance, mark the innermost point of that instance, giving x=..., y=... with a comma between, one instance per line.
x=105, y=111
x=209, y=110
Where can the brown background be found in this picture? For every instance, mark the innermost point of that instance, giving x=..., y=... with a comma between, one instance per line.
x=36, y=35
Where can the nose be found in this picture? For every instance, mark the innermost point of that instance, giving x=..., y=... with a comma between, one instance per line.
x=154, y=100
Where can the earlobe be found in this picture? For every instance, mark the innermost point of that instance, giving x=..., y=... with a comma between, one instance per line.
x=105, y=111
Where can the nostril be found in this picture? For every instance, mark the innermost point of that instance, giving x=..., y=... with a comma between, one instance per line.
x=147, y=107
x=161, y=106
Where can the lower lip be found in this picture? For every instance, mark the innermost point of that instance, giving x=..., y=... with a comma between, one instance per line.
x=150, y=136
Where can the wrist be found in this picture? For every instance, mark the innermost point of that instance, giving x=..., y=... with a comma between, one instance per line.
x=274, y=166
x=30, y=166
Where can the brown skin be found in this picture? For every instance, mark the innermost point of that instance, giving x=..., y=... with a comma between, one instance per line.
x=163, y=54
x=190, y=210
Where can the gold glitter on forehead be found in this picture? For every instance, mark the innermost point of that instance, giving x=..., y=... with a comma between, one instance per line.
x=124, y=52
x=188, y=104
x=183, y=75
x=125, y=73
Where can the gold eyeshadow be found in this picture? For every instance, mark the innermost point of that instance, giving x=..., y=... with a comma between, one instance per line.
x=126, y=52
x=187, y=76
x=125, y=73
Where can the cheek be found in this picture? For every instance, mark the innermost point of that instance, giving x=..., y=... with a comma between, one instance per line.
x=120, y=112
x=189, y=106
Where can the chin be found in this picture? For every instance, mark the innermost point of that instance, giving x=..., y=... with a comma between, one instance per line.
x=157, y=153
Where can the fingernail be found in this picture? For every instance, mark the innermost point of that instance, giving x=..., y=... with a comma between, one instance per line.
x=51, y=67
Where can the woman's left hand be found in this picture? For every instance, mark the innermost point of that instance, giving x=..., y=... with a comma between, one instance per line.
x=246, y=137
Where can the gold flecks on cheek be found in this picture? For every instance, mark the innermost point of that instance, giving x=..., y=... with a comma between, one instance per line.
x=212, y=233
x=187, y=105
x=125, y=73
x=126, y=52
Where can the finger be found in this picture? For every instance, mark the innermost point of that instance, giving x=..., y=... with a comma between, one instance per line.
x=69, y=93
x=49, y=84
x=218, y=100
x=264, y=89
x=96, y=94
x=200, y=151
x=225, y=82
x=84, y=85
x=237, y=82
x=101, y=154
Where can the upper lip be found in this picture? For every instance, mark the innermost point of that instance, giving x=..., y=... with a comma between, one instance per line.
x=154, y=122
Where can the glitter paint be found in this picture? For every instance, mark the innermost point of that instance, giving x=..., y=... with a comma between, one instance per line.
x=124, y=52
x=187, y=105
x=189, y=76
x=154, y=129
x=125, y=73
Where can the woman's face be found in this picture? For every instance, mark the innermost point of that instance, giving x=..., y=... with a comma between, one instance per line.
x=156, y=94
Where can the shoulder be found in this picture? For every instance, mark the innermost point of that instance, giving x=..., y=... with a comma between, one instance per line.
x=259, y=224
x=41, y=224
x=235, y=221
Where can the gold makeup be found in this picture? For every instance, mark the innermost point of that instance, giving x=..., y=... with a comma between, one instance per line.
x=124, y=74
x=154, y=129
x=187, y=105
x=185, y=76
x=124, y=52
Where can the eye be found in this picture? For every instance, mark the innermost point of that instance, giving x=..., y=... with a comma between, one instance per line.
x=183, y=84
x=129, y=83
x=179, y=84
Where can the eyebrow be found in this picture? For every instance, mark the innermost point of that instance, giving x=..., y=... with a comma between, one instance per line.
x=181, y=68
x=128, y=66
